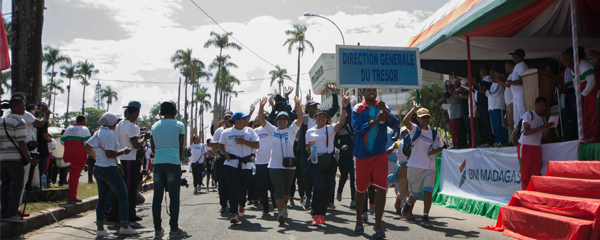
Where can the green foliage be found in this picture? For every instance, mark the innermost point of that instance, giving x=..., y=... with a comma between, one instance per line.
x=92, y=116
x=428, y=96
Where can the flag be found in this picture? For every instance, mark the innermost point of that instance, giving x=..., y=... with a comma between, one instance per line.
x=4, y=55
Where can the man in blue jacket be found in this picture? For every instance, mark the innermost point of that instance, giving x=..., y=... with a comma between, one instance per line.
x=370, y=120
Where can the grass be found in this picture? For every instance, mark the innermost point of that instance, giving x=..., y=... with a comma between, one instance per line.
x=84, y=190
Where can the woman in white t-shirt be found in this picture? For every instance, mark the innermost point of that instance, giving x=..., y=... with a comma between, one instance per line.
x=103, y=147
x=282, y=165
x=198, y=150
x=236, y=144
x=322, y=136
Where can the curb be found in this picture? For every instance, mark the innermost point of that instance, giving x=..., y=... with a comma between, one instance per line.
x=49, y=216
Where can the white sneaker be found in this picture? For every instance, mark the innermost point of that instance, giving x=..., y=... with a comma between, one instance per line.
x=102, y=233
x=127, y=231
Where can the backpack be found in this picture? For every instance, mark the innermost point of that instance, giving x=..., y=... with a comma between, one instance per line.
x=518, y=131
x=407, y=148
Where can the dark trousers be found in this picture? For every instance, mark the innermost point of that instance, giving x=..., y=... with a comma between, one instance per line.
x=223, y=193
x=486, y=127
x=323, y=183
x=197, y=170
x=131, y=178
x=264, y=184
x=462, y=132
x=569, y=116
x=252, y=188
x=11, y=173
x=42, y=167
x=346, y=168
x=91, y=163
x=237, y=185
x=166, y=176
x=308, y=184
x=298, y=176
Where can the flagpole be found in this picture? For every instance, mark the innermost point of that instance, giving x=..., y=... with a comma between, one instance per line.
x=576, y=70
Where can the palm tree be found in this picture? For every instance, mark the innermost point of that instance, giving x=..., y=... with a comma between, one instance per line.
x=109, y=94
x=155, y=111
x=68, y=72
x=280, y=74
x=297, y=37
x=229, y=81
x=221, y=42
x=52, y=87
x=84, y=72
x=182, y=60
x=52, y=57
x=202, y=98
x=223, y=64
x=4, y=82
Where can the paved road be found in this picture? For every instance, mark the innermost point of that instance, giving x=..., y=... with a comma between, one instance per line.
x=199, y=216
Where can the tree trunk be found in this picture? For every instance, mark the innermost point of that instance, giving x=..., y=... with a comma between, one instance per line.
x=185, y=112
x=178, y=98
x=83, y=101
x=51, y=85
x=27, y=25
x=68, y=98
x=192, y=103
x=298, y=77
x=107, y=105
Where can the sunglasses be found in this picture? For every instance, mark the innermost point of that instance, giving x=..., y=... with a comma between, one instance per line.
x=425, y=117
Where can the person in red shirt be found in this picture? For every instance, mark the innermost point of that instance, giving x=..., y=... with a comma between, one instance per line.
x=74, y=139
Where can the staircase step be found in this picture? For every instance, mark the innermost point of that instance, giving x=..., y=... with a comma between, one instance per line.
x=589, y=188
x=574, y=169
x=524, y=223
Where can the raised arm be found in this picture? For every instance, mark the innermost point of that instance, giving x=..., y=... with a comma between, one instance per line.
x=335, y=106
x=340, y=124
x=298, y=101
x=261, y=113
x=408, y=116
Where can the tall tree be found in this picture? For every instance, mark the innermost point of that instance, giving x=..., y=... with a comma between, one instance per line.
x=297, y=38
x=223, y=64
x=279, y=74
x=110, y=95
x=220, y=41
x=182, y=60
x=52, y=57
x=203, y=99
x=26, y=48
x=85, y=70
x=51, y=89
x=69, y=72
x=4, y=82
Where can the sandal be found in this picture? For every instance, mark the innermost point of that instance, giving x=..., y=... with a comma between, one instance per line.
x=359, y=230
x=379, y=234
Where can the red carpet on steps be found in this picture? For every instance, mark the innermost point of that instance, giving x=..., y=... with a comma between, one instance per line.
x=563, y=205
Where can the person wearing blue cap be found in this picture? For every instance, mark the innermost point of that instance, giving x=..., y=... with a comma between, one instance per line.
x=282, y=165
x=236, y=144
x=128, y=135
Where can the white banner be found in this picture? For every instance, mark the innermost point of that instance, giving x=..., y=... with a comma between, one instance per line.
x=492, y=174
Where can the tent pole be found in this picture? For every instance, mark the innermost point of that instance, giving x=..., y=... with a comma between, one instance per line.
x=470, y=89
x=576, y=70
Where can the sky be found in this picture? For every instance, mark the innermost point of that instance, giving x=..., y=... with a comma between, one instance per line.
x=131, y=42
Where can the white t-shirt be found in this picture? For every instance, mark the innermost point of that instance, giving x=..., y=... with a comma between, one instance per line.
x=321, y=139
x=51, y=146
x=217, y=136
x=282, y=142
x=419, y=157
x=29, y=120
x=198, y=151
x=401, y=158
x=263, y=154
x=508, y=96
x=496, y=97
x=228, y=137
x=125, y=130
x=537, y=121
x=517, y=90
x=311, y=122
x=107, y=139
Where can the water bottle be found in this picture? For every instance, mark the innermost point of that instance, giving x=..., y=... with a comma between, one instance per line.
x=44, y=183
x=313, y=155
x=253, y=168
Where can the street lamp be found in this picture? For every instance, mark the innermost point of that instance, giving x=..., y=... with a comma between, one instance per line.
x=315, y=15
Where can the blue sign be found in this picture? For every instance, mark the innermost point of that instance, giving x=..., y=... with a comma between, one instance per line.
x=378, y=67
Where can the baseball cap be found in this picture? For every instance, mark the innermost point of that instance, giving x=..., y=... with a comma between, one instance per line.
x=519, y=52
x=283, y=113
x=168, y=107
x=134, y=104
x=238, y=115
x=311, y=102
x=322, y=111
x=423, y=112
x=228, y=114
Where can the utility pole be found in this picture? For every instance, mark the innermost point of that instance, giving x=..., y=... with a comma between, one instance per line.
x=178, y=97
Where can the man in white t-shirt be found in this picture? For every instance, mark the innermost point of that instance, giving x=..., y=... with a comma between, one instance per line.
x=220, y=160
x=236, y=144
x=535, y=128
x=263, y=155
x=496, y=109
x=421, y=163
x=128, y=135
x=516, y=84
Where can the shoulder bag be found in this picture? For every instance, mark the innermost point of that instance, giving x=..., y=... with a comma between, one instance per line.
x=324, y=161
x=23, y=159
x=119, y=166
x=287, y=161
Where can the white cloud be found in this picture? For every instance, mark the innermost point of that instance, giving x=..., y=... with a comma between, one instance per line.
x=154, y=37
x=360, y=7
